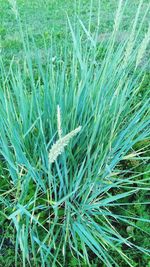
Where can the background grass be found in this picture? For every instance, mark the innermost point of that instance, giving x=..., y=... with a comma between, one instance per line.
x=43, y=18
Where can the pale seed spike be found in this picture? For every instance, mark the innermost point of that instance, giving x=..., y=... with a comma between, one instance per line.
x=143, y=47
x=59, y=122
x=59, y=146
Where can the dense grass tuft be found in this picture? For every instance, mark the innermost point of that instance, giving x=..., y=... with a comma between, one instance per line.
x=66, y=206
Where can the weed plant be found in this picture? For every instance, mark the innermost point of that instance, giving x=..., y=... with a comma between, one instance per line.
x=69, y=126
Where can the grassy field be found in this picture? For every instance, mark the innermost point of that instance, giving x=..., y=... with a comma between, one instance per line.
x=71, y=195
x=43, y=18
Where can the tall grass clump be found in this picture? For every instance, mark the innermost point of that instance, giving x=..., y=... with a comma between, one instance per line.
x=68, y=186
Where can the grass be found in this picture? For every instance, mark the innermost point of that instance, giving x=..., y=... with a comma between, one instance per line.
x=66, y=199
x=42, y=18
